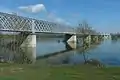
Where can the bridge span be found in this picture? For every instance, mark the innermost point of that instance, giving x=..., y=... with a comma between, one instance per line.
x=28, y=27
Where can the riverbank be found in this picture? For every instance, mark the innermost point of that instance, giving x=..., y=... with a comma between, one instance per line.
x=61, y=72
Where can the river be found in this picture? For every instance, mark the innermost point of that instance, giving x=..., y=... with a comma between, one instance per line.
x=107, y=52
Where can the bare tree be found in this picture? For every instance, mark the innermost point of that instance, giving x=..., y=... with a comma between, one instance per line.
x=84, y=28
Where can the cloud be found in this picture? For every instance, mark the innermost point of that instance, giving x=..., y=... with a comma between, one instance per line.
x=33, y=8
x=52, y=17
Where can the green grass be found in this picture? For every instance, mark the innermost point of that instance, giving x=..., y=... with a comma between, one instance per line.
x=63, y=72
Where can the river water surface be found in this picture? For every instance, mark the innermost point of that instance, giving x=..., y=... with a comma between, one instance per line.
x=107, y=52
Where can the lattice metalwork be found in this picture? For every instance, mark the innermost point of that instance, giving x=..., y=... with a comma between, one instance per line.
x=10, y=22
x=14, y=23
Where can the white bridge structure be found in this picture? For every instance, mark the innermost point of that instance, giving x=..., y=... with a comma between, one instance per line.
x=29, y=26
x=11, y=22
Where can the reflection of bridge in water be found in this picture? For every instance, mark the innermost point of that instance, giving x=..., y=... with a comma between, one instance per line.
x=26, y=28
x=64, y=57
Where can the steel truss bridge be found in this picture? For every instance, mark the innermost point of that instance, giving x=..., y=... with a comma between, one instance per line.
x=11, y=22
x=15, y=23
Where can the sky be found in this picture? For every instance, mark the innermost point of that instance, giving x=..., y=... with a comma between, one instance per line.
x=101, y=15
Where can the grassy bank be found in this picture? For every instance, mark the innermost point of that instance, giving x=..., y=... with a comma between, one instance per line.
x=63, y=72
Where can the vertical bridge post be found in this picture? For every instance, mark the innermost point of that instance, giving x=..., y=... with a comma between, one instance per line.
x=33, y=43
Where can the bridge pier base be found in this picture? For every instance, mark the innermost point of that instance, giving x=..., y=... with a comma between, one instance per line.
x=72, y=45
x=71, y=40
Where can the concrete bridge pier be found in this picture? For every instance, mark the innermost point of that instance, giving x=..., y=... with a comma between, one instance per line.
x=100, y=37
x=87, y=40
x=71, y=39
x=29, y=46
x=94, y=39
